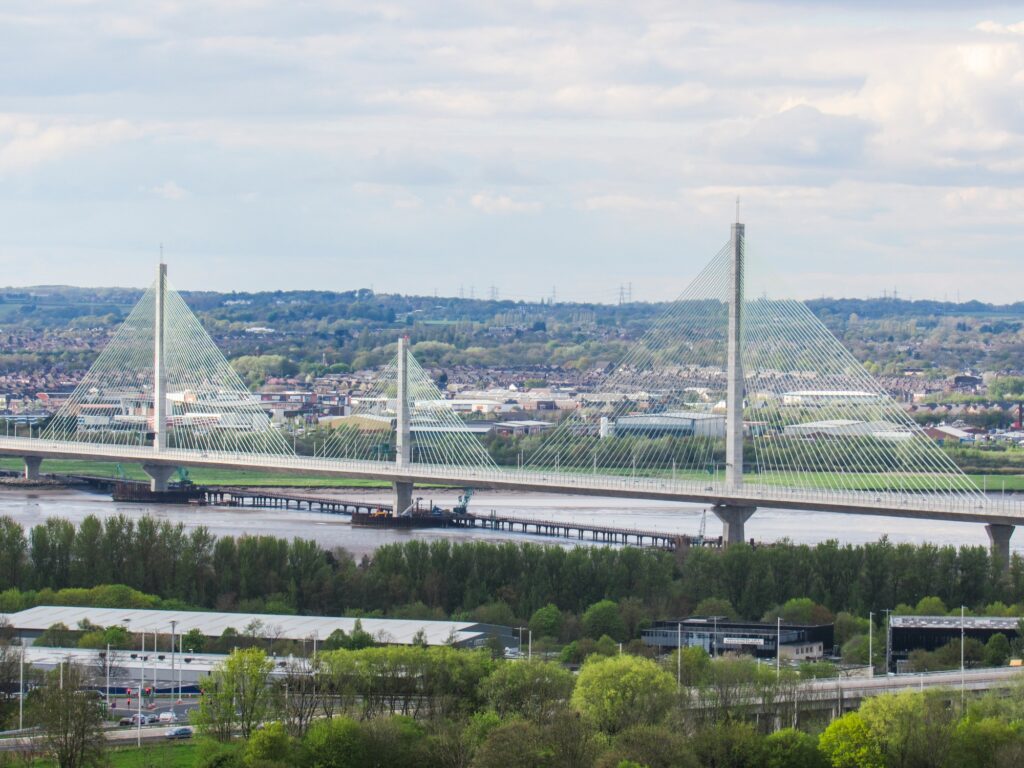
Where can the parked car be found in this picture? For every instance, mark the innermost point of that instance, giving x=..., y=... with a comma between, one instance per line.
x=179, y=732
x=168, y=717
x=126, y=721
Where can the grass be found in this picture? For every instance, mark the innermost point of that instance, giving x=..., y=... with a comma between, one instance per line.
x=198, y=476
x=171, y=754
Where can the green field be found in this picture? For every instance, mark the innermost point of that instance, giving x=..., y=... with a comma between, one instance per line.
x=198, y=476
x=171, y=754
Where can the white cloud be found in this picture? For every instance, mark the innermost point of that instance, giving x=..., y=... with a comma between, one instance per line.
x=169, y=190
x=489, y=203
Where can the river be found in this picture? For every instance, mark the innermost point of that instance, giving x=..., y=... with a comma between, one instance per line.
x=32, y=506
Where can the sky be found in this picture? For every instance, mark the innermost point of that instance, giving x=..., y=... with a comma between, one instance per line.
x=526, y=149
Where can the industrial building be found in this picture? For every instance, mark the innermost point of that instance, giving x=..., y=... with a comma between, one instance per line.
x=928, y=633
x=30, y=624
x=672, y=423
x=834, y=428
x=719, y=636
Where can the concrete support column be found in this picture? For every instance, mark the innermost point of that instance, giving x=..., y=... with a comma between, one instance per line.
x=32, y=464
x=734, y=367
x=403, y=437
x=733, y=520
x=999, y=542
x=402, y=496
x=160, y=363
x=159, y=474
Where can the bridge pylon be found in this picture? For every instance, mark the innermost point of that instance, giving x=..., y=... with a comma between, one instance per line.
x=403, y=431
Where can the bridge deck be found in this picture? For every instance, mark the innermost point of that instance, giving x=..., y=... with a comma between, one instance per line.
x=979, y=509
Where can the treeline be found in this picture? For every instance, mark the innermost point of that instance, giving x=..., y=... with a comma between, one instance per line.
x=503, y=583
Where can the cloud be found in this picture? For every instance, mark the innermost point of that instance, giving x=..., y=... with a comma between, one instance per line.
x=489, y=203
x=169, y=190
x=26, y=141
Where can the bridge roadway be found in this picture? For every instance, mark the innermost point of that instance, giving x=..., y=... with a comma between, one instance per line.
x=733, y=506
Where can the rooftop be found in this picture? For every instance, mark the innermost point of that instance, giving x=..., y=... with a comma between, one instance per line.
x=263, y=625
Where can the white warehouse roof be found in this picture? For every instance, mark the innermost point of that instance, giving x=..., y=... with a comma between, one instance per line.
x=268, y=626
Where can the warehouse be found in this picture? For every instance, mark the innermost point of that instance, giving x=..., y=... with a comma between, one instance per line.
x=31, y=623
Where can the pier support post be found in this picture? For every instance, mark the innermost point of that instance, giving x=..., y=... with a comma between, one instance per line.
x=32, y=464
x=999, y=542
x=159, y=474
x=733, y=520
x=402, y=496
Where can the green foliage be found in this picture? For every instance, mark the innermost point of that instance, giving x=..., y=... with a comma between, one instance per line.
x=546, y=621
x=235, y=695
x=997, y=650
x=652, y=746
x=849, y=743
x=729, y=744
x=336, y=742
x=69, y=717
x=716, y=606
x=800, y=610
x=533, y=690
x=271, y=742
x=790, y=748
x=516, y=744
x=620, y=691
x=603, y=618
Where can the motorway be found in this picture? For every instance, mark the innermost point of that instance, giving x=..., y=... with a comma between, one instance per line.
x=951, y=507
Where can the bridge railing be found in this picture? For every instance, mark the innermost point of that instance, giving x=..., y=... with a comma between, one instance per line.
x=752, y=493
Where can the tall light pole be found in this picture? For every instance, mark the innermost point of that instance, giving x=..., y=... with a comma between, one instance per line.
x=174, y=625
x=961, y=658
x=778, y=644
x=21, y=688
x=679, y=655
x=107, y=659
x=871, y=647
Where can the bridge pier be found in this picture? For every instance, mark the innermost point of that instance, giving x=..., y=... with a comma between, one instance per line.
x=999, y=542
x=733, y=520
x=159, y=474
x=402, y=496
x=32, y=464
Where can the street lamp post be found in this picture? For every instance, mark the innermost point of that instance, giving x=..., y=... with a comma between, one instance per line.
x=871, y=647
x=961, y=658
x=174, y=625
x=21, y=688
x=778, y=644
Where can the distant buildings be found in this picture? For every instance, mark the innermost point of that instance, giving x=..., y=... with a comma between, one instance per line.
x=720, y=636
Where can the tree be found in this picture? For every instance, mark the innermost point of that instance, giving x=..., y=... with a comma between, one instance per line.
x=271, y=743
x=790, y=748
x=546, y=621
x=653, y=746
x=728, y=744
x=236, y=695
x=304, y=687
x=849, y=743
x=603, y=618
x=337, y=742
x=70, y=718
x=193, y=641
x=530, y=689
x=997, y=650
x=620, y=691
x=518, y=744
x=715, y=606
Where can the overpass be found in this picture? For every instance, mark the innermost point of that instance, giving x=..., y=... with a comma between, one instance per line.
x=802, y=424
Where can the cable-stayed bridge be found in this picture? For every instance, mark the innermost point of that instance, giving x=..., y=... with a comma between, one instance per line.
x=734, y=402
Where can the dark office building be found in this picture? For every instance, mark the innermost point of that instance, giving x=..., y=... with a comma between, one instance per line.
x=910, y=633
x=720, y=636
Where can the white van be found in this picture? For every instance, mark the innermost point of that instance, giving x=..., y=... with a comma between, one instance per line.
x=168, y=717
